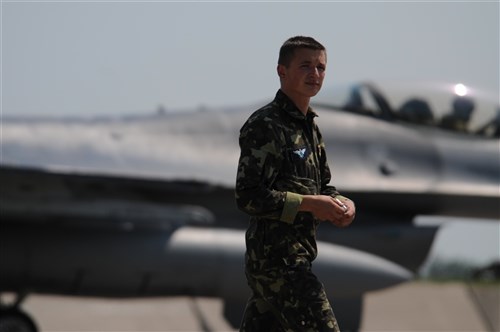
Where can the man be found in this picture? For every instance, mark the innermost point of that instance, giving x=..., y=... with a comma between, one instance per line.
x=283, y=184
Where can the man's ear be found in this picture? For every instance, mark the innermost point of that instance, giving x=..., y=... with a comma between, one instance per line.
x=281, y=71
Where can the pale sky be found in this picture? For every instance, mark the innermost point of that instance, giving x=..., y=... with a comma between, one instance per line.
x=116, y=57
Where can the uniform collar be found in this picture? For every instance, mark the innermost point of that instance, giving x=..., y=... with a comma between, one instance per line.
x=289, y=107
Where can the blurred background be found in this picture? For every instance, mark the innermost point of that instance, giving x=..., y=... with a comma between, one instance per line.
x=113, y=59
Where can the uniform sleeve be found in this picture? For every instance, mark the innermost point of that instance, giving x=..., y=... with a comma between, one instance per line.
x=259, y=164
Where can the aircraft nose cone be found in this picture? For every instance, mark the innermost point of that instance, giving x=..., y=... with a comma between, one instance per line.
x=347, y=272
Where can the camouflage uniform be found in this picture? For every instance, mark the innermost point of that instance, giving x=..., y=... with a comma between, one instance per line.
x=282, y=158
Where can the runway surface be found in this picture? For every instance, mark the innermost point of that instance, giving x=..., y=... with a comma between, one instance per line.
x=415, y=306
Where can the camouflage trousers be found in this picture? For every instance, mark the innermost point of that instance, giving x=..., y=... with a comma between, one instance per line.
x=287, y=300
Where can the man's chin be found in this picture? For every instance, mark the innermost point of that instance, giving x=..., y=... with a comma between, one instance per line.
x=314, y=93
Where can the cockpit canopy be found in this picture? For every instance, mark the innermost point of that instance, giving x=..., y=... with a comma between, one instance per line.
x=449, y=107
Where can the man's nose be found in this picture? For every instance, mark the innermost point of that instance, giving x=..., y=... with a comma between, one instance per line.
x=315, y=71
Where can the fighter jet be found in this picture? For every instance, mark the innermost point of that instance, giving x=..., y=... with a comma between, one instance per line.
x=144, y=205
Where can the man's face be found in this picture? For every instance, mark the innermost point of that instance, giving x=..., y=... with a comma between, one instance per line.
x=304, y=76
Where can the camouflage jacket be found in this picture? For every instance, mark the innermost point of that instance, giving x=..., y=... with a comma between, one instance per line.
x=282, y=158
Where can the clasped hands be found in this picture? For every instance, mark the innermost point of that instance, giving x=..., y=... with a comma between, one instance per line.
x=339, y=210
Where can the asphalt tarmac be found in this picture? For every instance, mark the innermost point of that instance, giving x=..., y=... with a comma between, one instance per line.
x=410, y=307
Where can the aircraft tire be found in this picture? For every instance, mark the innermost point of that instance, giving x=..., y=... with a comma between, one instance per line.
x=14, y=320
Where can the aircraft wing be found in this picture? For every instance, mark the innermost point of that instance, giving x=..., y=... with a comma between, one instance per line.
x=32, y=196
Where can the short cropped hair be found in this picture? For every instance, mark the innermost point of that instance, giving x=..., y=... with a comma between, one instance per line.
x=288, y=48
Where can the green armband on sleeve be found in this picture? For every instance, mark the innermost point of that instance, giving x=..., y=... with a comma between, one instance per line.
x=291, y=207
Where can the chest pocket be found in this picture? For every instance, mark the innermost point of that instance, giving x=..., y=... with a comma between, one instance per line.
x=299, y=158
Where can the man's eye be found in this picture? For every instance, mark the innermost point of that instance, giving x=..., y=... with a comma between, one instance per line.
x=321, y=68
